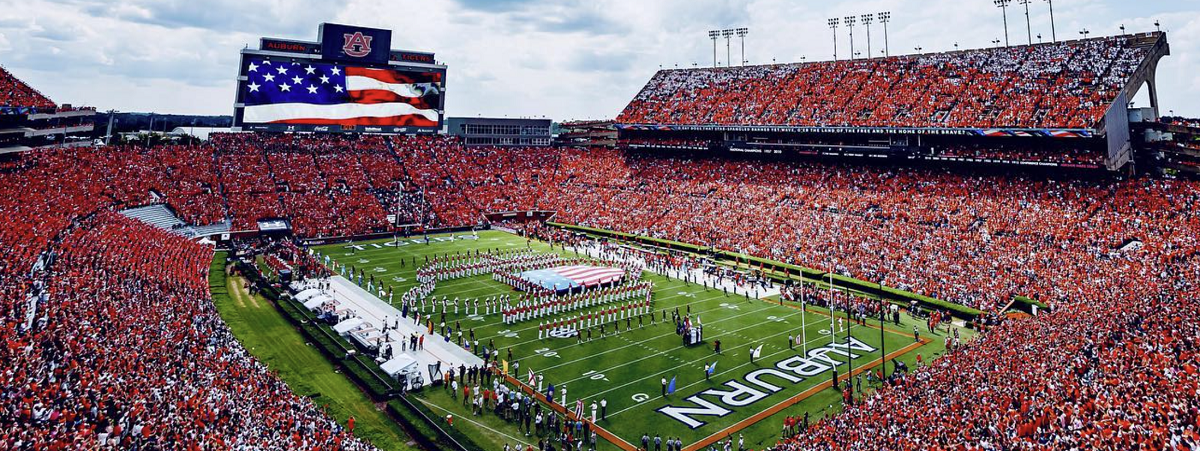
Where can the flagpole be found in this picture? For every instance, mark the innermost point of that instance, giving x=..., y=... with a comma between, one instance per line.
x=803, y=321
x=849, y=351
x=832, y=328
x=882, y=315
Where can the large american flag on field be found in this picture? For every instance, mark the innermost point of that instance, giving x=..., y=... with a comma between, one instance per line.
x=278, y=92
x=564, y=277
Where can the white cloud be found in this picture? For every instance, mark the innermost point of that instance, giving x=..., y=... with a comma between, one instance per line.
x=572, y=59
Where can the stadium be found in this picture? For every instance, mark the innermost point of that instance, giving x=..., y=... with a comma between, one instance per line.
x=986, y=248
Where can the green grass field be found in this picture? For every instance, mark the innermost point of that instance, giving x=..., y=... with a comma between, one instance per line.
x=268, y=336
x=626, y=368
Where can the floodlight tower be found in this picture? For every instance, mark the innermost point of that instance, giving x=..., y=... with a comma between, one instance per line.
x=1053, y=34
x=1003, y=5
x=884, y=18
x=833, y=24
x=728, y=35
x=741, y=33
x=849, y=21
x=866, y=21
x=714, y=34
x=1028, y=29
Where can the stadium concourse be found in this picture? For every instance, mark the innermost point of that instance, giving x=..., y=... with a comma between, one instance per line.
x=111, y=339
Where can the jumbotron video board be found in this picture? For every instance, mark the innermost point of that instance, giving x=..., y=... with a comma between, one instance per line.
x=350, y=80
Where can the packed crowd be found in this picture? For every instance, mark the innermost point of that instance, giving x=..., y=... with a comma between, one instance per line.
x=1057, y=85
x=122, y=348
x=1112, y=365
x=110, y=338
x=16, y=93
x=349, y=186
x=978, y=240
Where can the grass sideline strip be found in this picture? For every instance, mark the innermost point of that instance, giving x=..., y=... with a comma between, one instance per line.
x=272, y=340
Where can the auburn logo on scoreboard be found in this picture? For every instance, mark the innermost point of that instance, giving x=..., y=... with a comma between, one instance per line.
x=354, y=44
x=357, y=44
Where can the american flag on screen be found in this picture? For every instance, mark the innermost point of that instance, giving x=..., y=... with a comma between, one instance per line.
x=277, y=92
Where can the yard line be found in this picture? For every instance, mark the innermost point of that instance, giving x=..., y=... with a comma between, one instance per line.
x=664, y=298
x=633, y=344
x=636, y=343
x=501, y=323
x=468, y=419
x=664, y=335
x=673, y=296
x=706, y=358
x=388, y=255
x=671, y=350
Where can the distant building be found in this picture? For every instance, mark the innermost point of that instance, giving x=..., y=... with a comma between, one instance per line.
x=481, y=131
x=201, y=133
x=600, y=133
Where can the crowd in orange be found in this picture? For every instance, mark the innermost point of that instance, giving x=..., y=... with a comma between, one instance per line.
x=110, y=337
x=16, y=93
x=1054, y=85
x=1113, y=362
x=1112, y=366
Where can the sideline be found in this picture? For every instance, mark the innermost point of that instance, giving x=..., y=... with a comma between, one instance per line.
x=430, y=404
x=601, y=432
x=717, y=436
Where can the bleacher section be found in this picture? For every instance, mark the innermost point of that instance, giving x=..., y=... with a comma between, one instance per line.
x=15, y=93
x=1064, y=85
x=29, y=120
x=972, y=239
x=211, y=229
x=157, y=215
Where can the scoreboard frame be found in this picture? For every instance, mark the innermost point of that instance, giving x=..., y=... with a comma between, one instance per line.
x=329, y=49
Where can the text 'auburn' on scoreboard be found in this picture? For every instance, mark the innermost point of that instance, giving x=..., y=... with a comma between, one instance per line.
x=350, y=80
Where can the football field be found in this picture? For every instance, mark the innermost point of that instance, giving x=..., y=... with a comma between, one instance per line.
x=626, y=368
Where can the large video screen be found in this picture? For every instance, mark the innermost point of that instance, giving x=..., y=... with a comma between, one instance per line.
x=281, y=95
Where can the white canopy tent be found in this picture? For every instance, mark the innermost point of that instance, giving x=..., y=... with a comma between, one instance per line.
x=347, y=326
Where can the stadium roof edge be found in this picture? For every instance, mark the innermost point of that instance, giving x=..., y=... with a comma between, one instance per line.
x=910, y=55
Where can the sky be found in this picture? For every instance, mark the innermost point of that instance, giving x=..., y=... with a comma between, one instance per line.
x=565, y=59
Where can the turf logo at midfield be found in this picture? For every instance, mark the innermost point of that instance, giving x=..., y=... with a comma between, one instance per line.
x=752, y=387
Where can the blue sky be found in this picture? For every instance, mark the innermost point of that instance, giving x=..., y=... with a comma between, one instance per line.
x=567, y=59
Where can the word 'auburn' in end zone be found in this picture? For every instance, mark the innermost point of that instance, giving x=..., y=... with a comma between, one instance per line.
x=791, y=370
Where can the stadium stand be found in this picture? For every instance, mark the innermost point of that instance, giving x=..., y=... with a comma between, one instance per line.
x=29, y=120
x=156, y=215
x=108, y=323
x=16, y=93
x=973, y=240
x=976, y=240
x=120, y=331
x=1056, y=85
